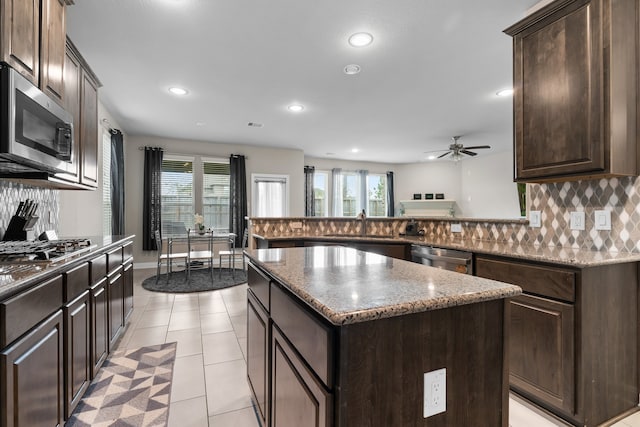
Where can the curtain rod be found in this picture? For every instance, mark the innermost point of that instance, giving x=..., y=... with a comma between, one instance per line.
x=107, y=124
x=201, y=155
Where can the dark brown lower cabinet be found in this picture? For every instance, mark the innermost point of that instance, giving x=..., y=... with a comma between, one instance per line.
x=77, y=338
x=573, y=341
x=127, y=277
x=116, y=306
x=99, y=326
x=297, y=398
x=541, y=350
x=258, y=353
x=33, y=371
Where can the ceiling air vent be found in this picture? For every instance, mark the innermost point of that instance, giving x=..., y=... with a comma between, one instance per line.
x=254, y=125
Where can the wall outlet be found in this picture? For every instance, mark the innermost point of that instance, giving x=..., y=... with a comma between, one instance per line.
x=296, y=225
x=577, y=220
x=435, y=392
x=535, y=219
x=602, y=220
x=456, y=228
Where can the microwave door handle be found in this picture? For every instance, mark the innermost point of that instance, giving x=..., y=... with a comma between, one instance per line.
x=64, y=137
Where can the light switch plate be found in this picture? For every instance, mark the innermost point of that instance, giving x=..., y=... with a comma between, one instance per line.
x=577, y=220
x=602, y=220
x=296, y=225
x=456, y=228
x=534, y=219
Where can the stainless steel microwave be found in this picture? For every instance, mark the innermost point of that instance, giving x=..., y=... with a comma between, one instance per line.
x=35, y=132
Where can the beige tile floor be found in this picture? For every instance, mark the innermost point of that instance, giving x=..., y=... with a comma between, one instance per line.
x=209, y=380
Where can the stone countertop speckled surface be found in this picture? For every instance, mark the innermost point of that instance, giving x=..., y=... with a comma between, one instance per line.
x=349, y=286
x=16, y=277
x=556, y=255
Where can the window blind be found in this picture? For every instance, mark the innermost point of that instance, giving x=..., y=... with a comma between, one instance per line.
x=177, y=195
x=106, y=184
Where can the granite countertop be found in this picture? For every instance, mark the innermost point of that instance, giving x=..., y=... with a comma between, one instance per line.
x=16, y=277
x=349, y=286
x=531, y=252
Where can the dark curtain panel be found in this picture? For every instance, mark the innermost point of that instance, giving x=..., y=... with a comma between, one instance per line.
x=237, y=197
x=117, y=183
x=390, y=200
x=151, y=211
x=309, y=196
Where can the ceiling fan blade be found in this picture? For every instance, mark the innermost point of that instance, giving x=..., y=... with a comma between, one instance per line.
x=445, y=154
x=469, y=153
x=477, y=147
x=435, y=151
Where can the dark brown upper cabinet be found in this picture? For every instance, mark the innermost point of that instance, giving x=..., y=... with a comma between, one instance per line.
x=33, y=41
x=575, y=72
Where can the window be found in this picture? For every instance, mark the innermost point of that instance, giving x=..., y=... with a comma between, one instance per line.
x=193, y=185
x=106, y=184
x=270, y=195
x=215, y=194
x=177, y=194
x=377, y=195
x=320, y=193
x=360, y=190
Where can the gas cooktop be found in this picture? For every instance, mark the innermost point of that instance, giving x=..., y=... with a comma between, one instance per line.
x=42, y=251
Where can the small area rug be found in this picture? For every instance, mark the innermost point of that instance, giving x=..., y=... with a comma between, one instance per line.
x=200, y=281
x=131, y=390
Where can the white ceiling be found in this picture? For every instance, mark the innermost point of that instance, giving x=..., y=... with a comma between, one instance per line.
x=432, y=71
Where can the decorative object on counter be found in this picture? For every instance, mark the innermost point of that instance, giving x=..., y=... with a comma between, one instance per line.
x=199, y=223
x=428, y=196
x=439, y=196
x=200, y=281
x=411, y=228
x=417, y=196
x=144, y=402
x=21, y=225
x=522, y=198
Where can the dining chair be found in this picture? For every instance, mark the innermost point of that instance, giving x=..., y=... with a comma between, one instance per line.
x=233, y=253
x=166, y=257
x=199, y=249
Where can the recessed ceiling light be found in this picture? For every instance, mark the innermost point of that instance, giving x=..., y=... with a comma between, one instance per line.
x=296, y=108
x=360, y=39
x=432, y=157
x=178, y=91
x=200, y=123
x=354, y=150
x=505, y=92
x=352, y=69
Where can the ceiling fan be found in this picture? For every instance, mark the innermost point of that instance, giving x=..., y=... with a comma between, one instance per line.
x=457, y=150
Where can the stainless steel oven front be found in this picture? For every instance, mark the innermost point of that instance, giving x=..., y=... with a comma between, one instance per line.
x=36, y=132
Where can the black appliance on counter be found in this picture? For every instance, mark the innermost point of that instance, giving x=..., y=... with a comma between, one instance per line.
x=36, y=134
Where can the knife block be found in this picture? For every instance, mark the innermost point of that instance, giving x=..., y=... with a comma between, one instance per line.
x=20, y=228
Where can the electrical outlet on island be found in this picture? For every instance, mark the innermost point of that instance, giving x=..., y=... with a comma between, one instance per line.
x=435, y=392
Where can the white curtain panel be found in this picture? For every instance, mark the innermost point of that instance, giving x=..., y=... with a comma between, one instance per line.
x=336, y=190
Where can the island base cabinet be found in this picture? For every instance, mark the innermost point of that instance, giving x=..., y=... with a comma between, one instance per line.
x=297, y=397
x=541, y=350
x=257, y=353
x=33, y=371
x=382, y=365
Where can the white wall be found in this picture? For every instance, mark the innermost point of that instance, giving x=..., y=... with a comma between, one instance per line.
x=259, y=160
x=487, y=187
x=428, y=177
x=80, y=211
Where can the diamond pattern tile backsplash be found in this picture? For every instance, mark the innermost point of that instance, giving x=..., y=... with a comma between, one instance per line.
x=12, y=194
x=555, y=201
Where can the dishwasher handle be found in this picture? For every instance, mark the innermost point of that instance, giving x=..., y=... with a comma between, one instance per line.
x=432, y=257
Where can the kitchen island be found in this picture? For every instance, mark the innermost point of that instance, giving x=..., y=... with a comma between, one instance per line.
x=341, y=337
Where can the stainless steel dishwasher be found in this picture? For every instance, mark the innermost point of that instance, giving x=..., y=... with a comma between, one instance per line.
x=446, y=259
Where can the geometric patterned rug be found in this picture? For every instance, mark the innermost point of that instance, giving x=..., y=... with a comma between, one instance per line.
x=132, y=389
